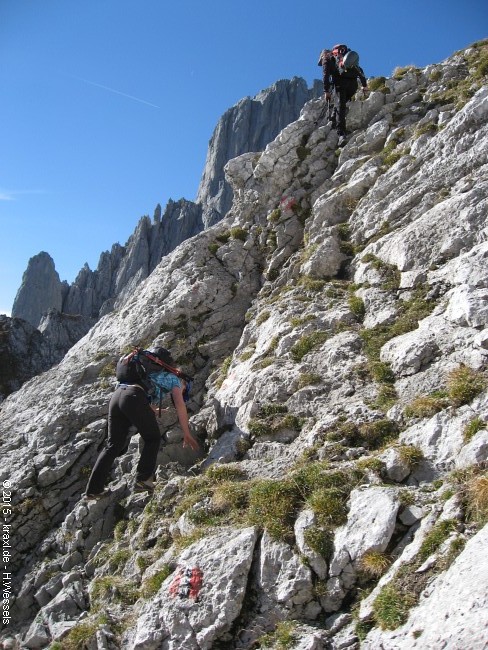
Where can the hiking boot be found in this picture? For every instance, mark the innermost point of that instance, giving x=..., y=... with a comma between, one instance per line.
x=96, y=495
x=144, y=486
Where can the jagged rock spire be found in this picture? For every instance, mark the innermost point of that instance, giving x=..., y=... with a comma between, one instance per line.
x=40, y=290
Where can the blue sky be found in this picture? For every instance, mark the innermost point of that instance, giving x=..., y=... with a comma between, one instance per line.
x=107, y=106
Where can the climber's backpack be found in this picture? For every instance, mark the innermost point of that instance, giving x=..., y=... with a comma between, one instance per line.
x=345, y=58
x=350, y=60
x=135, y=368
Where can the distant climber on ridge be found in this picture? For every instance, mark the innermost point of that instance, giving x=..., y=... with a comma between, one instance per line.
x=145, y=377
x=341, y=72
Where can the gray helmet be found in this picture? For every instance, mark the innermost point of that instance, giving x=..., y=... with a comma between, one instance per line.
x=350, y=60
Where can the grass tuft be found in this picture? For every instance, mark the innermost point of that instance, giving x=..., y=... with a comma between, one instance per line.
x=226, y=472
x=114, y=589
x=373, y=435
x=464, y=384
x=320, y=540
x=308, y=379
x=238, y=233
x=284, y=637
x=273, y=418
x=426, y=406
x=477, y=499
x=410, y=455
x=151, y=586
x=306, y=344
x=433, y=540
x=357, y=307
x=374, y=563
x=263, y=316
x=472, y=428
x=391, y=607
x=224, y=369
x=371, y=464
x=329, y=506
x=378, y=84
x=230, y=497
x=273, y=505
x=80, y=636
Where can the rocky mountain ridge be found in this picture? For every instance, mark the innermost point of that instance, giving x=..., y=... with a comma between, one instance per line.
x=249, y=125
x=119, y=271
x=336, y=323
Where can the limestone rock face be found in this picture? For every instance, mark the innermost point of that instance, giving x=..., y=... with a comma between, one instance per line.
x=370, y=525
x=208, y=608
x=248, y=126
x=23, y=354
x=336, y=327
x=60, y=331
x=459, y=617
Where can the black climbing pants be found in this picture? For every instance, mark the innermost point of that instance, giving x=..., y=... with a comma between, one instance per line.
x=344, y=93
x=128, y=406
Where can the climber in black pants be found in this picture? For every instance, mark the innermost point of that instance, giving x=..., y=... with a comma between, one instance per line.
x=128, y=407
x=135, y=403
x=341, y=72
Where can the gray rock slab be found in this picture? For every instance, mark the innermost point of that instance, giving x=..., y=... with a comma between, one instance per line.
x=182, y=618
x=455, y=613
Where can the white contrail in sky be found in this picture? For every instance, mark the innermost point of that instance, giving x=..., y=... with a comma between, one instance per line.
x=11, y=195
x=117, y=92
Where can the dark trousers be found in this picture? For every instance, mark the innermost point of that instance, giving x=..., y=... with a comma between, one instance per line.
x=128, y=406
x=344, y=93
